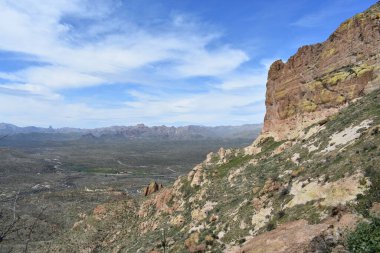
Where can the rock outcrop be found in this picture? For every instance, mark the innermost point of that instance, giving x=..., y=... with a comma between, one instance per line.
x=299, y=236
x=152, y=188
x=320, y=79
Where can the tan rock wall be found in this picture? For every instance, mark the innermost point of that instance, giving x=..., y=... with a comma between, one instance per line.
x=320, y=79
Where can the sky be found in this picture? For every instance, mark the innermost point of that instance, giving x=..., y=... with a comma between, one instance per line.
x=97, y=63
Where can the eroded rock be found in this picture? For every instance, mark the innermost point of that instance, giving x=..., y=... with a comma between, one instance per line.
x=152, y=188
x=330, y=194
x=320, y=79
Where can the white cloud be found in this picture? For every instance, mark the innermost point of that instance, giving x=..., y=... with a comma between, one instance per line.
x=254, y=78
x=212, y=108
x=37, y=30
x=244, y=81
x=69, y=60
x=328, y=11
x=206, y=63
x=27, y=89
x=311, y=20
x=59, y=77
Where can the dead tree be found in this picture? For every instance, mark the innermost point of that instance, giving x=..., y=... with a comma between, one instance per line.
x=11, y=227
x=32, y=228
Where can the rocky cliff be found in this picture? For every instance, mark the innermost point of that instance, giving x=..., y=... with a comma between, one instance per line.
x=322, y=78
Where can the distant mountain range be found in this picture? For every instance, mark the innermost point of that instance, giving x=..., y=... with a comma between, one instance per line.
x=142, y=131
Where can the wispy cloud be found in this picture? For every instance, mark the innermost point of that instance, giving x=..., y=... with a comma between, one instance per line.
x=312, y=20
x=211, y=108
x=76, y=49
x=38, y=31
x=323, y=15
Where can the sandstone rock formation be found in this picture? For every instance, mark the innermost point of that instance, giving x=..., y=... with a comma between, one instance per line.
x=299, y=236
x=320, y=79
x=152, y=188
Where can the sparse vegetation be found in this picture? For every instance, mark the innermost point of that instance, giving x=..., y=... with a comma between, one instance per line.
x=365, y=238
x=73, y=177
x=233, y=163
x=365, y=201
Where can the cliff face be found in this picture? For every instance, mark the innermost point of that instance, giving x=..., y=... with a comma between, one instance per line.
x=320, y=79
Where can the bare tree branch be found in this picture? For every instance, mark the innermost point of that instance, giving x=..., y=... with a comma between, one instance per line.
x=10, y=228
x=14, y=205
x=31, y=229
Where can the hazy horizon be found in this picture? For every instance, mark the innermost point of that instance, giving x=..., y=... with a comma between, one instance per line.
x=89, y=128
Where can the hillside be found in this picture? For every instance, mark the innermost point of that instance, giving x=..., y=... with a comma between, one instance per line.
x=69, y=174
x=302, y=186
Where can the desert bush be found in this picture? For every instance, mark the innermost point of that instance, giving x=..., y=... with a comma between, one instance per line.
x=366, y=237
x=365, y=201
x=271, y=225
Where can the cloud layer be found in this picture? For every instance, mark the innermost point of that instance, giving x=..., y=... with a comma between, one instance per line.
x=176, y=70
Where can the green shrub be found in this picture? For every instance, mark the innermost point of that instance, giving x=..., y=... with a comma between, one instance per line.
x=366, y=237
x=365, y=201
x=281, y=214
x=271, y=225
x=235, y=162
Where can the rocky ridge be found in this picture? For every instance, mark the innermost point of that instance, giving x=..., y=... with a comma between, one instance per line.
x=320, y=79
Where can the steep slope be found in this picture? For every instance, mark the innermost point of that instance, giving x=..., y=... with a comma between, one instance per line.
x=296, y=190
x=320, y=79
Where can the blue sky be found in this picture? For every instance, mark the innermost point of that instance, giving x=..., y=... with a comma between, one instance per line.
x=94, y=63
